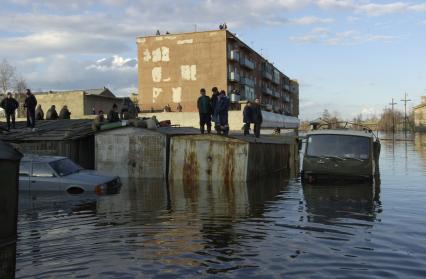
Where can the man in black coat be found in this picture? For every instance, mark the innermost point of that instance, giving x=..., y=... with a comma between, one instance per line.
x=9, y=104
x=257, y=117
x=247, y=118
x=30, y=104
x=51, y=113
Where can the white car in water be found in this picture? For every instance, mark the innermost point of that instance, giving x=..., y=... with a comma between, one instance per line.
x=57, y=173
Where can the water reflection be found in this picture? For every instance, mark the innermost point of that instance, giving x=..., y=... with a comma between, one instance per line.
x=329, y=204
x=7, y=261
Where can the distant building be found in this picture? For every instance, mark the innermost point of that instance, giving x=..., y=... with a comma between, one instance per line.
x=79, y=102
x=420, y=116
x=173, y=68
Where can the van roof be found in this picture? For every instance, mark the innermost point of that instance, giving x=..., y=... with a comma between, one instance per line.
x=41, y=158
x=341, y=132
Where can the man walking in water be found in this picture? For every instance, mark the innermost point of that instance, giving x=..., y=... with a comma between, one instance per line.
x=205, y=109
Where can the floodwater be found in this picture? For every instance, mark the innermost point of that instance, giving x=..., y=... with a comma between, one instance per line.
x=268, y=229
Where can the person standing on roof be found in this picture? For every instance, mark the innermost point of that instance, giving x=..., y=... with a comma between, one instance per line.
x=51, y=113
x=205, y=110
x=113, y=114
x=247, y=117
x=221, y=112
x=64, y=113
x=257, y=117
x=30, y=104
x=9, y=104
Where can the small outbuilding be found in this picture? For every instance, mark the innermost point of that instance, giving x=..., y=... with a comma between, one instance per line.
x=132, y=152
x=9, y=189
x=230, y=159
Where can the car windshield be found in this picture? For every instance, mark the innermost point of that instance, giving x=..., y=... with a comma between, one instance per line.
x=65, y=167
x=342, y=146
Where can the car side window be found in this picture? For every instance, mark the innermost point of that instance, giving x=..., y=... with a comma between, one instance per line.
x=25, y=168
x=42, y=170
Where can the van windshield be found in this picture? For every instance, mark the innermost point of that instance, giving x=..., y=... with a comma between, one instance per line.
x=342, y=146
x=65, y=167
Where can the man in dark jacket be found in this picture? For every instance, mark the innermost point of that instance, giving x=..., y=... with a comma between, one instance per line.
x=51, y=113
x=214, y=98
x=204, y=109
x=113, y=114
x=221, y=113
x=9, y=104
x=247, y=118
x=30, y=104
x=257, y=117
x=64, y=113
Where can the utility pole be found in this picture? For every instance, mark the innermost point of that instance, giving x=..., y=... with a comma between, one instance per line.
x=393, y=117
x=405, y=100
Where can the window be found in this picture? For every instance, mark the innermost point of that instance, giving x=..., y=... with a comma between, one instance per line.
x=25, y=168
x=339, y=145
x=65, y=167
x=42, y=170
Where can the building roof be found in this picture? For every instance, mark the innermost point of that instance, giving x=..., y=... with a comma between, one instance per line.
x=61, y=129
x=104, y=92
x=341, y=132
x=419, y=106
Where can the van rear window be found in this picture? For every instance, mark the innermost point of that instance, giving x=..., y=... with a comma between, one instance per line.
x=344, y=146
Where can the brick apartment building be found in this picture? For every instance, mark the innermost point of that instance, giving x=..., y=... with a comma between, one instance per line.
x=173, y=68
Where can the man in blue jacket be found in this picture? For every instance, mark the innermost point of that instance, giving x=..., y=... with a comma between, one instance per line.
x=221, y=112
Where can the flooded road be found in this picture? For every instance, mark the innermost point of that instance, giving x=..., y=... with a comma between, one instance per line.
x=268, y=229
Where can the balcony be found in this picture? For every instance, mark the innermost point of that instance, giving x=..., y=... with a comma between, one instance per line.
x=234, y=76
x=267, y=75
x=276, y=94
x=234, y=55
x=247, y=81
x=287, y=87
x=246, y=62
x=247, y=93
x=286, y=99
x=267, y=91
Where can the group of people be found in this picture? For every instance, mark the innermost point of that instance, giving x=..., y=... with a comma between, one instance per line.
x=10, y=105
x=215, y=109
x=33, y=111
x=52, y=114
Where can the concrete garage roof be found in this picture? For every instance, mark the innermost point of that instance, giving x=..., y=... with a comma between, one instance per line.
x=103, y=92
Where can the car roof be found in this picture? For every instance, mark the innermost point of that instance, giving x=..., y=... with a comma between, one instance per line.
x=342, y=132
x=41, y=158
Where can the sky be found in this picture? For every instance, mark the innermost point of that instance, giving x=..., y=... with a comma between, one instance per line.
x=350, y=57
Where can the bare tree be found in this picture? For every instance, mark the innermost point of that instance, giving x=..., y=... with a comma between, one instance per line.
x=20, y=85
x=7, y=75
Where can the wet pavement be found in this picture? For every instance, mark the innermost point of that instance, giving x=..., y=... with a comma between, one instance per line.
x=267, y=229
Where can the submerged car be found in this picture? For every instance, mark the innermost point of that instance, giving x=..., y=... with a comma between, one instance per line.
x=335, y=154
x=57, y=173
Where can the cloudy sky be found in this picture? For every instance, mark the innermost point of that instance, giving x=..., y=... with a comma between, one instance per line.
x=350, y=56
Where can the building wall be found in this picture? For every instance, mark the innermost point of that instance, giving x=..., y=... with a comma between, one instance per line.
x=100, y=103
x=131, y=153
x=420, y=118
x=173, y=68
x=74, y=101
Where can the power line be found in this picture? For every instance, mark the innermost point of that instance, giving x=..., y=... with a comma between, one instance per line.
x=393, y=116
x=405, y=100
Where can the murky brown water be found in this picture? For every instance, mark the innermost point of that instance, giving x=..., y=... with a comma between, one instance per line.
x=274, y=228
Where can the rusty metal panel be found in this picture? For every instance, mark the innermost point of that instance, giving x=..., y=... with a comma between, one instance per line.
x=131, y=152
x=265, y=159
x=208, y=158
